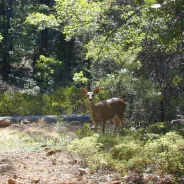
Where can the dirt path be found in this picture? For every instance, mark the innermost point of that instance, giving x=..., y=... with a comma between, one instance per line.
x=21, y=162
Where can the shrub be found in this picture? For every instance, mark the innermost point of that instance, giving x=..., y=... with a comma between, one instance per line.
x=20, y=104
x=85, y=132
x=86, y=146
x=123, y=153
x=159, y=127
x=66, y=101
x=127, y=149
x=62, y=101
x=167, y=151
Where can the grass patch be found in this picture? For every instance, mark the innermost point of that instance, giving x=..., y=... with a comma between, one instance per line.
x=31, y=142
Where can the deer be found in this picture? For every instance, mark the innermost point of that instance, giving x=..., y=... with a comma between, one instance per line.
x=112, y=109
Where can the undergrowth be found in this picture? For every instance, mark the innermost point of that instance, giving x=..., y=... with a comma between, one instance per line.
x=135, y=150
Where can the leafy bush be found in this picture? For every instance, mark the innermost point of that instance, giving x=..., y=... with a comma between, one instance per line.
x=87, y=146
x=20, y=104
x=123, y=153
x=65, y=101
x=62, y=101
x=85, y=132
x=167, y=151
x=127, y=149
x=159, y=127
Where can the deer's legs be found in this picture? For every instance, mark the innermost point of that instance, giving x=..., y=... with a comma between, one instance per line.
x=116, y=123
x=103, y=126
x=96, y=126
x=122, y=122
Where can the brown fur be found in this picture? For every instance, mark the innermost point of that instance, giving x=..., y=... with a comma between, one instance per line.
x=112, y=109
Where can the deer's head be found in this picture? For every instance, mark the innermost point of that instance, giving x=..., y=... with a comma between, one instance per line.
x=90, y=95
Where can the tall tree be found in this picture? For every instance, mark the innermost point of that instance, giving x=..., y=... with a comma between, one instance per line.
x=7, y=33
x=144, y=38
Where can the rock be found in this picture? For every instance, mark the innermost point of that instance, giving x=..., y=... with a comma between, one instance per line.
x=67, y=182
x=5, y=165
x=52, y=152
x=35, y=180
x=16, y=125
x=5, y=122
x=11, y=181
x=83, y=171
x=46, y=148
x=25, y=122
x=168, y=179
x=75, y=123
x=116, y=182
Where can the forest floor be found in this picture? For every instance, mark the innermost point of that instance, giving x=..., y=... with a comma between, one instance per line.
x=27, y=155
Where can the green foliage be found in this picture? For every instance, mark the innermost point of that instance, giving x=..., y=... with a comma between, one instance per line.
x=129, y=35
x=167, y=151
x=151, y=1
x=30, y=142
x=112, y=50
x=79, y=77
x=123, y=153
x=107, y=38
x=85, y=132
x=1, y=37
x=67, y=100
x=159, y=127
x=144, y=96
x=81, y=16
x=126, y=150
x=47, y=63
x=41, y=20
x=62, y=101
x=86, y=146
x=165, y=127
x=20, y=104
x=177, y=80
x=46, y=68
x=108, y=140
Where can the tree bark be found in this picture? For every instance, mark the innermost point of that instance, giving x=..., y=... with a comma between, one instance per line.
x=7, y=42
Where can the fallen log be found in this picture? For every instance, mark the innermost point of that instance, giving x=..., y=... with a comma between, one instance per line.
x=49, y=118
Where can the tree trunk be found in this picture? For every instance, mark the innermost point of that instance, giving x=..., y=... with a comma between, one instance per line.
x=44, y=43
x=7, y=43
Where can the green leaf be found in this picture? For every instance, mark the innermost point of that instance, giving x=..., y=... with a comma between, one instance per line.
x=1, y=37
x=150, y=2
x=79, y=77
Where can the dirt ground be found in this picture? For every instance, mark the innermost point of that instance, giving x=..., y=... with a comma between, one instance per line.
x=48, y=165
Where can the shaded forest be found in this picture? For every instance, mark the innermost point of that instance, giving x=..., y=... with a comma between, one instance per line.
x=130, y=49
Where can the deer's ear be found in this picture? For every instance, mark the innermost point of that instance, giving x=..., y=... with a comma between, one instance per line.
x=84, y=90
x=96, y=90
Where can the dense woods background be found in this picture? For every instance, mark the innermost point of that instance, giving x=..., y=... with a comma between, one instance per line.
x=133, y=49
x=49, y=49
